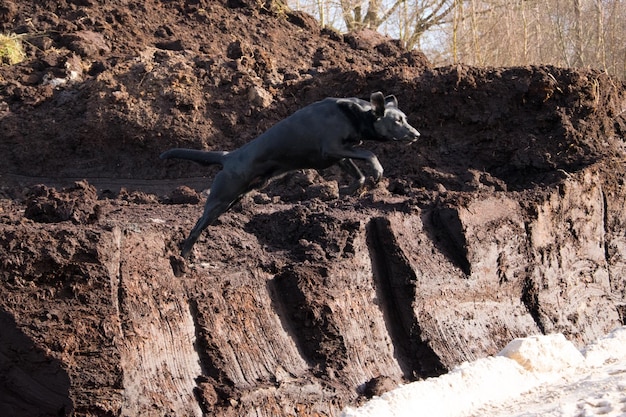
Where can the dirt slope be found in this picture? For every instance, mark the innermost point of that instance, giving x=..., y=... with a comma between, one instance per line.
x=504, y=220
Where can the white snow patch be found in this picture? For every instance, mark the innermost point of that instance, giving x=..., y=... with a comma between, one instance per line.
x=609, y=349
x=550, y=353
x=534, y=376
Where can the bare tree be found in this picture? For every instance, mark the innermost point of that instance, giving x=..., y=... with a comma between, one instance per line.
x=370, y=14
x=406, y=20
x=422, y=15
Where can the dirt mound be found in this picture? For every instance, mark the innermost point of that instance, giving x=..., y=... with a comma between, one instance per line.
x=110, y=84
x=78, y=204
x=505, y=219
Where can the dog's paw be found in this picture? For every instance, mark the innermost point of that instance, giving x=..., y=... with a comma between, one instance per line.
x=355, y=189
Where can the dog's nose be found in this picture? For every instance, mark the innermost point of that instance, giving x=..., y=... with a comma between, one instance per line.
x=412, y=136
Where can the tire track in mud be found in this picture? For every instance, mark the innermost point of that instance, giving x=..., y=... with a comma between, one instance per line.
x=378, y=284
x=213, y=385
x=108, y=184
x=568, y=239
x=317, y=337
x=396, y=285
x=159, y=360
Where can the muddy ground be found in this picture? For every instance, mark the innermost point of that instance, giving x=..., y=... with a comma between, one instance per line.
x=504, y=220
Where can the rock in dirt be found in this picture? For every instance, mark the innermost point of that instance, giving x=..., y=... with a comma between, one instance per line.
x=87, y=43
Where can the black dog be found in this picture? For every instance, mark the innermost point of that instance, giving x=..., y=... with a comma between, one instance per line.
x=315, y=137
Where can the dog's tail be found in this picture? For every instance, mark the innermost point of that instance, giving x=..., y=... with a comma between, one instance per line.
x=201, y=157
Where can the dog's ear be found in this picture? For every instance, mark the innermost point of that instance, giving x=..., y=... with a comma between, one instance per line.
x=377, y=100
x=391, y=101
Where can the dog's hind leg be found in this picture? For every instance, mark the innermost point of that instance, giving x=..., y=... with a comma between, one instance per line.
x=225, y=191
x=211, y=212
x=350, y=167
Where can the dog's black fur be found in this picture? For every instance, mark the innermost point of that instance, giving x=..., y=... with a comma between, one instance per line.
x=315, y=137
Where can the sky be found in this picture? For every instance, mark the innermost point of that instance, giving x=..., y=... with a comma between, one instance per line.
x=543, y=375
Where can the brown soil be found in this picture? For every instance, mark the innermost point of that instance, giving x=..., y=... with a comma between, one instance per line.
x=505, y=219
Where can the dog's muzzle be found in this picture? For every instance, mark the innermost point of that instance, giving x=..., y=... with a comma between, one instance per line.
x=411, y=137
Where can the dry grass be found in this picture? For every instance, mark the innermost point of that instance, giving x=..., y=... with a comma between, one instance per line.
x=11, y=50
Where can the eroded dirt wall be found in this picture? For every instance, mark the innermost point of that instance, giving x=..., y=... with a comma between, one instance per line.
x=299, y=308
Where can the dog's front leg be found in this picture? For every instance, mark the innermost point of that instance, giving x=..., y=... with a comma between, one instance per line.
x=362, y=154
x=359, y=179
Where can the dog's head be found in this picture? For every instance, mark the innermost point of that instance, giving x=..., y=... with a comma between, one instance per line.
x=390, y=122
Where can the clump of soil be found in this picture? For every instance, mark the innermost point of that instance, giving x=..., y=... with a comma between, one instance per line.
x=78, y=204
